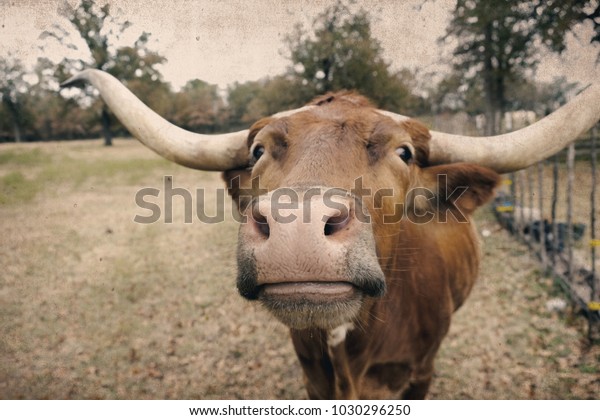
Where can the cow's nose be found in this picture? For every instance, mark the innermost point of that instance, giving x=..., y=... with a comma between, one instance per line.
x=316, y=236
x=314, y=216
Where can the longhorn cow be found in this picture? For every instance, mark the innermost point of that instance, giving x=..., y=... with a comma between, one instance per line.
x=367, y=282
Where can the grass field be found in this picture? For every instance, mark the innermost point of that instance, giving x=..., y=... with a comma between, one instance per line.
x=93, y=305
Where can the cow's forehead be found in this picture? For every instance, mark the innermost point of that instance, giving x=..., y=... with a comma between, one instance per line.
x=361, y=123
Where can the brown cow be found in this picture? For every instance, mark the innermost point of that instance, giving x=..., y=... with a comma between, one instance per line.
x=358, y=233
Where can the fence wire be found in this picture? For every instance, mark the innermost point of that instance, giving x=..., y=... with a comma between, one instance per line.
x=547, y=207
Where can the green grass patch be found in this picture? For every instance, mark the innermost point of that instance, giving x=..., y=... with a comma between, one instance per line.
x=47, y=171
x=125, y=172
x=15, y=188
x=588, y=369
x=23, y=157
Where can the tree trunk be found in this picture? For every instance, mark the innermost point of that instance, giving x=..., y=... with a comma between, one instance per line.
x=14, y=110
x=17, y=131
x=490, y=116
x=47, y=135
x=494, y=79
x=106, y=127
x=488, y=81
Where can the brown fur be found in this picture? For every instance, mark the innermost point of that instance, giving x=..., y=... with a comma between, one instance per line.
x=430, y=265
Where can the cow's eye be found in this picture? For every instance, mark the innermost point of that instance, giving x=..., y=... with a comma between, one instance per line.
x=257, y=152
x=404, y=153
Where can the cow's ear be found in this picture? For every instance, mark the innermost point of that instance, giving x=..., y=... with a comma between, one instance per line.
x=460, y=186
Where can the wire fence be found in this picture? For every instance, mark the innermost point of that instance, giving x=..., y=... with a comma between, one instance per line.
x=552, y=207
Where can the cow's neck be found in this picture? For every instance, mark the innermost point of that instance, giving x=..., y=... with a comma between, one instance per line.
x=345, y=386
x=367, y=359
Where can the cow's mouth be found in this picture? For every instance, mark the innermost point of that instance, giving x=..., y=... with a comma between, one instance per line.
x=313, y=304
x=313, y=291
x=303, y=304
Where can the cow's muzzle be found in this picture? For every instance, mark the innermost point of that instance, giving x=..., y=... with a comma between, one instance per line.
x=309, y=255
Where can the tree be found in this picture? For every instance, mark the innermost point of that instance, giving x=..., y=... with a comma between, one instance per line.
x=498, y=42
x=542, y=98
x=250, y=101
x=341, y=53
x=13, y=90
x=55, y=116
x=238, y=97
x=100, y=32
x=197, y=106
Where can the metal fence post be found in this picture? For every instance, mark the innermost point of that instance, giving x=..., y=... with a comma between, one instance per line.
x=569, y=233
x=553, y=209
x=594, y=324
x=542, y=219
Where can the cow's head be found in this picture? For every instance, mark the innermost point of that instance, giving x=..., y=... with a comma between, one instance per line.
x=327, y=189
x=327, y=192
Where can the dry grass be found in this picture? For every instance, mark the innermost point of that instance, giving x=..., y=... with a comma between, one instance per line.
x=93, y=305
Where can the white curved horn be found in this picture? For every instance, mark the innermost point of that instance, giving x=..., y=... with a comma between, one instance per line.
x=522, y=148
x=217, y=152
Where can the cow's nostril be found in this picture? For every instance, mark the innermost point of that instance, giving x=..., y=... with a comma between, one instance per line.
x=263, y=227
x=261, y=223
x=336, y=223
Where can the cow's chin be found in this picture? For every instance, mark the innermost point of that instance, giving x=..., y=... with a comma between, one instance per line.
x=305, y=305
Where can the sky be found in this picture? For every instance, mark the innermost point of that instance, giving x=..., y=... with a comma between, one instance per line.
x=222, y=42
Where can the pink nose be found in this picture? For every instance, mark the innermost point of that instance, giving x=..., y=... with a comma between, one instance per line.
x=304, y=236
x=312, y=216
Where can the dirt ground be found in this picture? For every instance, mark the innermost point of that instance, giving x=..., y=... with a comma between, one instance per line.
x=94, y=305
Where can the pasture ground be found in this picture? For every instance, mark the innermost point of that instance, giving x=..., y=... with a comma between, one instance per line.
x=93, y=305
